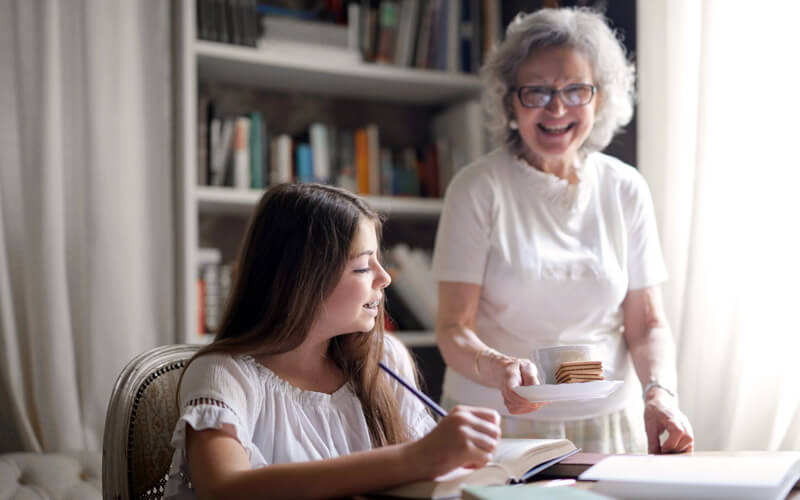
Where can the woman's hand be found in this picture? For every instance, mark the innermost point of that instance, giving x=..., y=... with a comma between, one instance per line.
x=466, y=437
x=515, y=372
x=661, y=414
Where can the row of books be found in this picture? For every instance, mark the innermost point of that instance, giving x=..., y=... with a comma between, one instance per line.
x=447, y=35
x=228, y=21
x=213, y=287
x=240, y=151
x=410, y=302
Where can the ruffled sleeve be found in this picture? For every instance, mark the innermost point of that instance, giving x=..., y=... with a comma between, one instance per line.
x=218, y=392
x=413, y=411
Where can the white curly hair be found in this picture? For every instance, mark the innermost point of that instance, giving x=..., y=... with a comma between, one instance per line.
x=586, y=31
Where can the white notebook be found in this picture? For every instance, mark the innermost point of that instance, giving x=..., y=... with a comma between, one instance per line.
x=751, y=476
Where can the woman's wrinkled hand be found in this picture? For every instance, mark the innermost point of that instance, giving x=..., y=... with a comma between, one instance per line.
x=518, y=372
x=466, y=437
x=661, y=413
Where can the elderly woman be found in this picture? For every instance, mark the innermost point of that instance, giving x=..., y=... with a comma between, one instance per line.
x=546, y=241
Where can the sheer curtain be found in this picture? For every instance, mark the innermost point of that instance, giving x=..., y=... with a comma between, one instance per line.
x=718, y=130
x=86, y=251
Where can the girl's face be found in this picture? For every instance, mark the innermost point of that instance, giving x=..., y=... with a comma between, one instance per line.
x=353, y=304
x=555, y=131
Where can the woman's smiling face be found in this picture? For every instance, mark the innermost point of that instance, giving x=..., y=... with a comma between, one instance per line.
x=554, y=132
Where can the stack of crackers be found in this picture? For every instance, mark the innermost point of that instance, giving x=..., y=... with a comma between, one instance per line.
x=570, y=372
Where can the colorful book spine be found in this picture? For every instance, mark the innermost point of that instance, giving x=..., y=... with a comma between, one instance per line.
x=305, y=171
x=256, y=152
x=362, y=161
x=320, y=153
x=241, y=167
x=374, y=159
x=281, y=162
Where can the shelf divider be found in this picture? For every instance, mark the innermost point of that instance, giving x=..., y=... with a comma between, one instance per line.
x=225, y=200
x=305, y=68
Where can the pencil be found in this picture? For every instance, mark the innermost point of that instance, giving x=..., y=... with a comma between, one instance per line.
x=425, y=399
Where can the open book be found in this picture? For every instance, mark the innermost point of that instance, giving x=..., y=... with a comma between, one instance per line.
x=515, y=461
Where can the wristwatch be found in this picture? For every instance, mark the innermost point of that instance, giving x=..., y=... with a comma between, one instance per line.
x=655, y=383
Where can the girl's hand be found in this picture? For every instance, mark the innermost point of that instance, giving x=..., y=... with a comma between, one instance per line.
x=661, y=414
x=517, y=372
x=466, y=437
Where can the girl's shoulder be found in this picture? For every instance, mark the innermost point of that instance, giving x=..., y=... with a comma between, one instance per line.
x=221, y=361
x=220, y=372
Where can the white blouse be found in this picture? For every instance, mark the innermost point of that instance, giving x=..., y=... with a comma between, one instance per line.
x=276, y=422
x=554, y=261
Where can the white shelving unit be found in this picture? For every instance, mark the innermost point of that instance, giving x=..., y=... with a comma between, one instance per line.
x=296, y=68
x=223, y=200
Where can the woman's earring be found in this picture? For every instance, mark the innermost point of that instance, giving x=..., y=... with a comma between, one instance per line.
x=512, y=124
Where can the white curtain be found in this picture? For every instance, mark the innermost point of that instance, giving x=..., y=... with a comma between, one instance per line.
x=719, y=126
x=86, y=212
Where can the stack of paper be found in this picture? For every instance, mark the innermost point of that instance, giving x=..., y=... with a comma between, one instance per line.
x=751, y=476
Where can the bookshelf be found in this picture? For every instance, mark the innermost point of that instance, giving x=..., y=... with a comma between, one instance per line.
x=280, y=67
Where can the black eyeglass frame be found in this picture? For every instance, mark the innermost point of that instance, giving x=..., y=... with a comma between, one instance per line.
x=553, y=91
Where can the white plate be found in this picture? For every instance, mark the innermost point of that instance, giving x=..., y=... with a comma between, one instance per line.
x=568, y=392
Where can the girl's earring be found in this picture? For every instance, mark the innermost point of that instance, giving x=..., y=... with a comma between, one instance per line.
x=512, y=124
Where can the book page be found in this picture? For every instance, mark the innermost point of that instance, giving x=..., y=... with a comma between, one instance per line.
x=520, y=455
x=512, y=459
x=751, y=476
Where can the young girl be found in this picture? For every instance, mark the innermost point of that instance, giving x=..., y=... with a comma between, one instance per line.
x=288, y=401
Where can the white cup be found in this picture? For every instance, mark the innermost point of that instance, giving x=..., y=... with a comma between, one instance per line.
x=548, y=359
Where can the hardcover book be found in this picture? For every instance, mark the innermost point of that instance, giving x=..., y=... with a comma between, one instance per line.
x=751, y=476
x=515, y=461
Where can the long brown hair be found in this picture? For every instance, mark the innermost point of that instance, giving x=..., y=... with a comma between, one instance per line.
x=293, y=255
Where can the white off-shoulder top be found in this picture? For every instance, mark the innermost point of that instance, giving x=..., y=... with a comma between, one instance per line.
x=274, y=421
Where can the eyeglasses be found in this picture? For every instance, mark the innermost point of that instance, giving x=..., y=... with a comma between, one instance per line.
x=578, y=94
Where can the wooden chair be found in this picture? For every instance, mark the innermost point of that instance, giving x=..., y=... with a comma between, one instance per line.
x=140, y=419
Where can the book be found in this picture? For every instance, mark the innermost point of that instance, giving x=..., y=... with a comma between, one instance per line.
x=361, y=161
x=346, y=174
x=320, y=153
x=241, y=155
x=752, y=476
x=354, y=28
x=369, y=29
x=424, y=35
x=461, y=125
x=373, y=159
x=208, y=261
x=281, y=160
x=405, y=177
x=406, y=32
x=303, y=31
x=304, y=163
x=453, y=35
x=257, y=149
x=387, y=31
x=221, y=142
x=529, y=492
x=386, y=171
x=573, y=466
x=515, y=461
